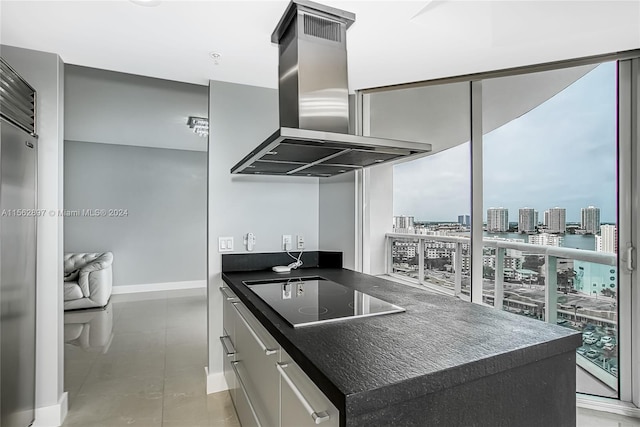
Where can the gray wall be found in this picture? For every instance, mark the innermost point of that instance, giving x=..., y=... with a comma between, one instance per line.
x=241, y=118
x=163, y=236
x=112, y=121
x=118, y=108
x=338, y=216
x=45, y=72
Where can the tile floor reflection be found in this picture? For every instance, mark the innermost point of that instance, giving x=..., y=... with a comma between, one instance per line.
x=141, y=362
x=590, y=418
x=146, y=368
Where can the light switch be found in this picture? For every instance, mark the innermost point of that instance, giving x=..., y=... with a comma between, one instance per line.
x=225, y=244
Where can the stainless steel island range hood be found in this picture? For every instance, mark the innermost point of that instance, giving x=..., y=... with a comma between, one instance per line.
x=313, y=138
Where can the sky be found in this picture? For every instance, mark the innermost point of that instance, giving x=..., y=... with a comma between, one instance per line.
x=560, y=154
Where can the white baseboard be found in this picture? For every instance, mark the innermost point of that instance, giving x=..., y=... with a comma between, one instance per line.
x=154, y=287
x=607, y=405
x=215, y=382
x=54, y=415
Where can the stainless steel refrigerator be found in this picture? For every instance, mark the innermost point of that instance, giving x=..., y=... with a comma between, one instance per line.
x=18, y=215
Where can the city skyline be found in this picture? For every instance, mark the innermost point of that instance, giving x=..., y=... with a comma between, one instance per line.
x=536, y=214
x=561, y=153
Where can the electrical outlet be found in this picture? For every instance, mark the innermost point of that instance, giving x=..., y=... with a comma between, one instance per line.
x=300, y=241
x=286, y=242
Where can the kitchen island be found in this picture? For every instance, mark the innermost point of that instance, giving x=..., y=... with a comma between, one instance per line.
x=443, y=362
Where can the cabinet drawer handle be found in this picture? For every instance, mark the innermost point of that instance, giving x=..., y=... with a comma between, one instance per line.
x=267, y=351
x=318, y=417
x=227, y=296
x=246, y=395
x=227, y=345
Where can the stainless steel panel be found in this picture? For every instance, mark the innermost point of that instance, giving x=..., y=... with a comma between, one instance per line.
x=312, y=69
x=17, y=275
x=17, y=99
x=314, y=100
x=368, y=149
x=288, y=80
x=317, y=8
x=323, y=95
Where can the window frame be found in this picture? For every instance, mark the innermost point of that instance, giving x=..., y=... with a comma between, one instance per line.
x=628, y=202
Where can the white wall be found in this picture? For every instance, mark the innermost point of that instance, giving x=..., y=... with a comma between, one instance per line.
x=45, y=72
x=241, y=117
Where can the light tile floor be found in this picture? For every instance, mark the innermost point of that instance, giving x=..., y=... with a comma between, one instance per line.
x=590, y=418
x=151, y=373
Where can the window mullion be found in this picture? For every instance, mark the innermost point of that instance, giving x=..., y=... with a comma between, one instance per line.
x=476, y=192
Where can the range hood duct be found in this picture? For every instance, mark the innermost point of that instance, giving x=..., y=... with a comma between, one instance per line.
x=313, y=138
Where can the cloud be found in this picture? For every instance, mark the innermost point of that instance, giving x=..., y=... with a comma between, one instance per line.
x=562, y=153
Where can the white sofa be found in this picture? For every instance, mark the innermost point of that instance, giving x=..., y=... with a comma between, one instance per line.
x=87, y=280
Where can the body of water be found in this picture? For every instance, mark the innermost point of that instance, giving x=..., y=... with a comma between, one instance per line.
x=575, y=241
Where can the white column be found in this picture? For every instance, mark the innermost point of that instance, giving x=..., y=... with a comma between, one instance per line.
x=476, y=192
x=499, y=279
x=457, y=281
x=551, y=289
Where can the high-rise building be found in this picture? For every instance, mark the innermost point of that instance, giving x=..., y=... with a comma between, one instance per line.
x=545, y=239
x=607, y=241
x=557, y=220
x=527, y=220
x=497, y=220
x=590, y=219
x=464, y=220
x=403, y=224
x=546, y=218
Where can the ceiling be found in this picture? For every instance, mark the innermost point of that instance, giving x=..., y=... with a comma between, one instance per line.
x=391, y=41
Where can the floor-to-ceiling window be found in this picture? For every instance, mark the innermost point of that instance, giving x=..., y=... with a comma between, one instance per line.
x=555, y=194
x=550, y=180
x=430, y=194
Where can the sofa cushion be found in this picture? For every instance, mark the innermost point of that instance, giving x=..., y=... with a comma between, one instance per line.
x=72, y=291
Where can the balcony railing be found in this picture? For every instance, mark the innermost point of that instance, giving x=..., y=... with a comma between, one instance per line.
x=406, y=261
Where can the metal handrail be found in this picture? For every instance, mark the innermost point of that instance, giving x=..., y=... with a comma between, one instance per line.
x=556, y=251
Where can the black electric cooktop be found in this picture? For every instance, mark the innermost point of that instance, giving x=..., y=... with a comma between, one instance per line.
x=309, y=301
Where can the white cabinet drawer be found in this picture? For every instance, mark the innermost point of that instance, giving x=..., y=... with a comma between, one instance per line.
x=302, y=403
x=248, y=413
x=257, y=353
x=228, y=299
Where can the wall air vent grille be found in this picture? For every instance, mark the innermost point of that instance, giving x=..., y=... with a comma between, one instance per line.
x=17, y=99
x=322, y=28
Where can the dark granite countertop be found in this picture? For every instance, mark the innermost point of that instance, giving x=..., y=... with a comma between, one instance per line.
x=364, y=364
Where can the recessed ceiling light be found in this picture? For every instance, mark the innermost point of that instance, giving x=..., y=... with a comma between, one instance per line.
x=147, y=3
x=215, y=56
